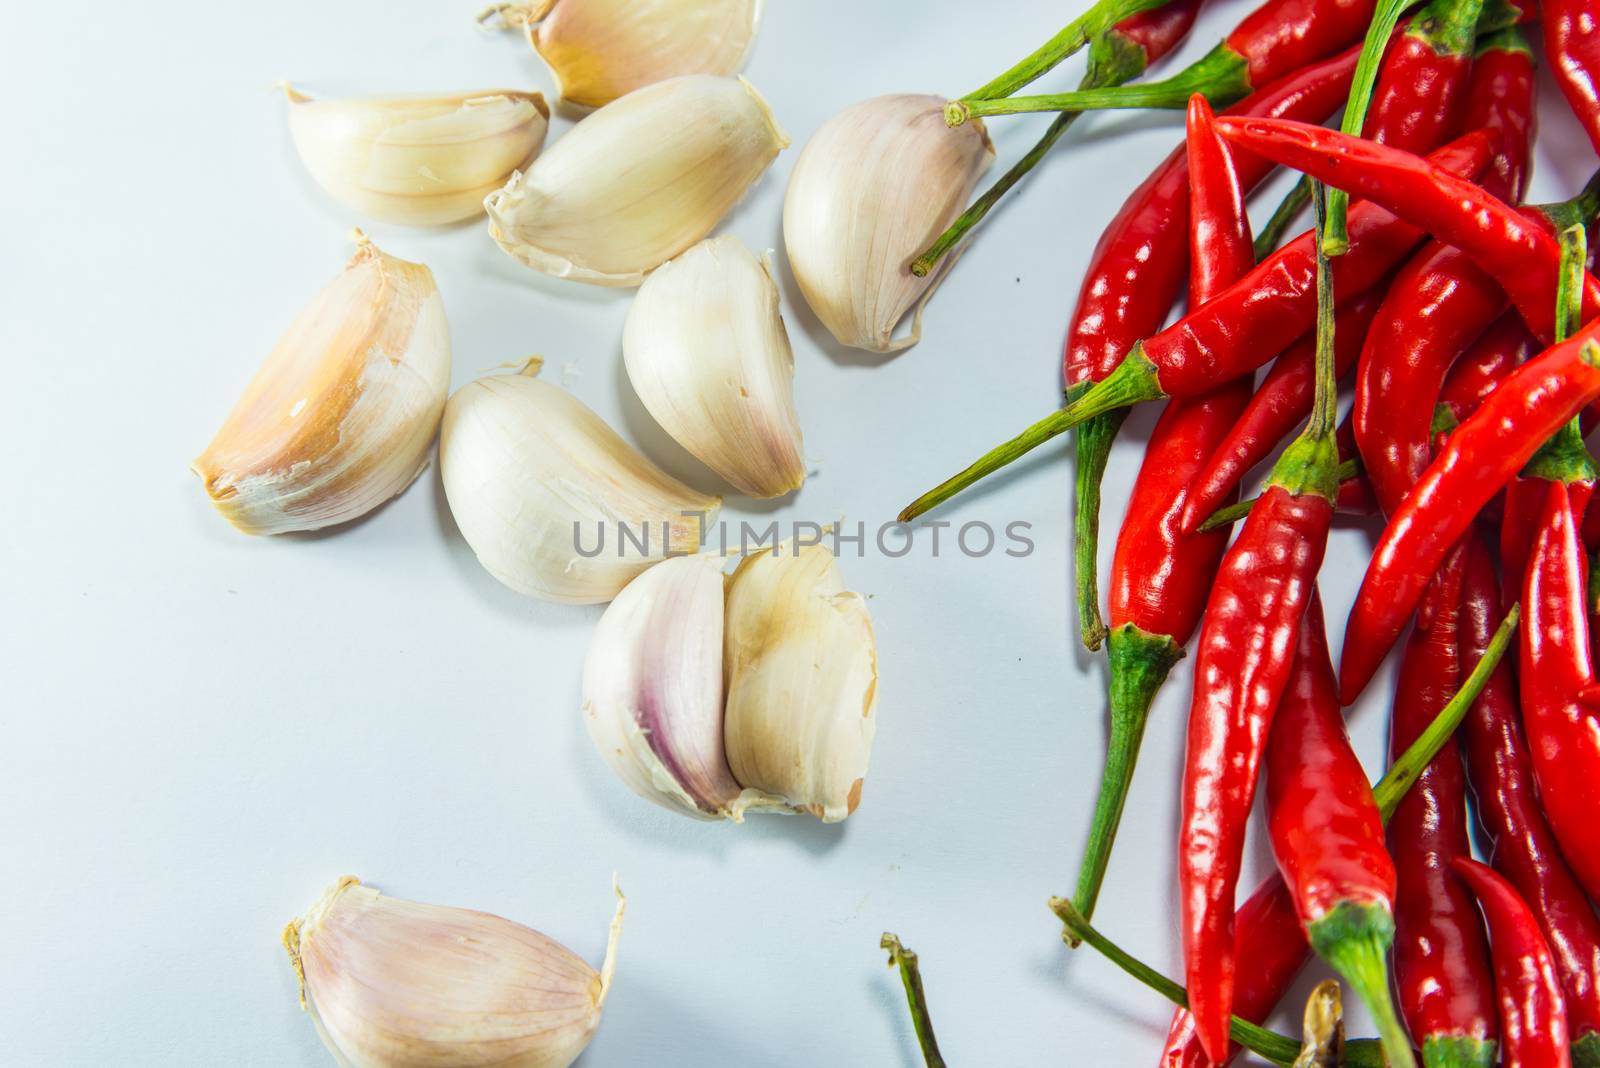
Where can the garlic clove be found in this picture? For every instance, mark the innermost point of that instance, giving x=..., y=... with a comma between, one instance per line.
x=398, y=984
x=637, y=182
x=871, y=189
x=553, y=502
x=420, y=160
x=652, y=689
x=801, y=667
x=707, y=353
x=339, y=417
x=599, y=50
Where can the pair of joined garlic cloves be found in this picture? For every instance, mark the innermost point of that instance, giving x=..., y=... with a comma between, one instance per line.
x=872, y=188
x=417, y=160
x=598, y=50
x=637, y=182
x=399, y=984
x=706, y=351
x=339, y=417
x=553, y=502
x=714, y=696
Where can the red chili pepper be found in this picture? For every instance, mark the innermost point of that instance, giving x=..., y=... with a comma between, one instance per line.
x=1518, y=248
x=1237, y=331
x=1327, y=835
x=1153, y=33
x=1281, y=401
x=1272, y=950
x=1572, y=41
x=1500, y=100
x=1417, y=103
x=1441, y=961
x=1532, y=1016
x=1134, y=276
x=1159, y=576
x=1438, y=304
x=1563, y=732
x=1278, y=38
x=1251, y=624
x=1489, y=447
x=1523, y=848
x=1499, y=350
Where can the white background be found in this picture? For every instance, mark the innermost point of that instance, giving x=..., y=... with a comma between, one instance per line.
x=204, y=730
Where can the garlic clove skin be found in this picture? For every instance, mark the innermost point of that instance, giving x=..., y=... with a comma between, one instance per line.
x=872, y=188
x=801, y=667
x=599, y=50
x=420, y=160
x=339, y=417
x=652, y=690
x=552, y=501
x=637, y=182
x=707, y=353
x=398, y=984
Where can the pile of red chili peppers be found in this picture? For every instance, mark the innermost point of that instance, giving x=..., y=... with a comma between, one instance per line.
x=1467, y=326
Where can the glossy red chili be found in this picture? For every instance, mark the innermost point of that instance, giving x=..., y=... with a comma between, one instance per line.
x=1233, y=334
x=1518, y=249
x=1522, y=846
x=1564, y=734
x=1500, y=100
x=1134, y=275
x=1532, y=1016
x=1484, y=453
x=1506, y=345
x=1159, y=576
x=1572, y=42
x=1327, y=835
x=1272, y=950
x=1279, y=404
x=1418, y=99
x=1156, y=32
x=1441, y=961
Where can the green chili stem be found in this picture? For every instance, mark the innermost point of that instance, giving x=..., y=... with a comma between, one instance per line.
x=1564, y=457
x=1232, y=513
x=1072, y=37
x=1569, y=281
x=1336, y=239
x=916, y=998
x=1283, y=217
x=1392, y=788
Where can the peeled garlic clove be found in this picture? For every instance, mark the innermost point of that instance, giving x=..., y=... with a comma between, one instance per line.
x=397, y=984
x=599, y=50
x=872, y=188
x=554, y=503
x=417, y=160
x=638, y=181
x=652, y=689
x=339, y=417
x=802, y=681
x=707, y=352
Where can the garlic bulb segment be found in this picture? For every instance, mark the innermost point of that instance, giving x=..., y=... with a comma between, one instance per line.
x=652, y=689
x=598, y=50
x=419, y=160
x=339, y=417
x=871, y=189
x=802, y=681
x=553, y=502
x=707, y=353
x=397, y=984
x=637, y=182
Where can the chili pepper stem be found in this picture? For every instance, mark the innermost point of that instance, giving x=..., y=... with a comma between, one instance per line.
x=1565, y=457
x=1586, y=1051
x=1222, y=76
x=1232, y=513
x=1354, y=939
x=1279, y=1049
x=911, y=975
x=1133, y=381
x=1139, y=663
x=1071, y=38
x=1095, y=437
x=1459, y=1051
x=1283, y=217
